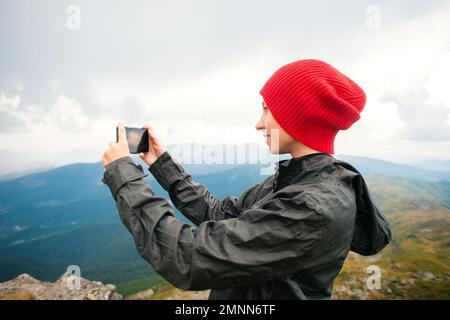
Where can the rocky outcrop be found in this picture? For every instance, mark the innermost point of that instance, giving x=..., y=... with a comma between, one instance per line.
x=25, y=287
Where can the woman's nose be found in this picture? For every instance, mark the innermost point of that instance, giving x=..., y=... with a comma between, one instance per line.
x=259, y=126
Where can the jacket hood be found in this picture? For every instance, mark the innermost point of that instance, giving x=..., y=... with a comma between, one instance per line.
x=372, y=230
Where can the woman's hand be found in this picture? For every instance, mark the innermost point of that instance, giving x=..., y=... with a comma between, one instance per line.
x=155, y=148
x=117, y=150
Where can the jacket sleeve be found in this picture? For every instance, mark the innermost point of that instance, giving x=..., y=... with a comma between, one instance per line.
x=265, y=242
x=193, y=199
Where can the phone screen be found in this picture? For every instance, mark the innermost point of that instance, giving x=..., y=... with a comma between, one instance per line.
x=137, y=139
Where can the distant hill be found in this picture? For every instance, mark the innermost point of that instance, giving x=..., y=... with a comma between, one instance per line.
x=12, y=162
x=443, y=165
x=15, y=175
x=368, y=165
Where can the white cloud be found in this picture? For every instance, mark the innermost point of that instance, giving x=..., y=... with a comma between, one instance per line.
x=9, y=102
x=379, y=121
x=437, y=84
x=225, y=95
x=67, y=114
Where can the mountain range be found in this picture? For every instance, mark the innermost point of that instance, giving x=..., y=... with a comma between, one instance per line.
x=66, y=216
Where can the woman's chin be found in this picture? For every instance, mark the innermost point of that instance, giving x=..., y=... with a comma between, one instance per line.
x=273, y=150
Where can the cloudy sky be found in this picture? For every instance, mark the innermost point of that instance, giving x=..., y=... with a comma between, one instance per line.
x=193, y=69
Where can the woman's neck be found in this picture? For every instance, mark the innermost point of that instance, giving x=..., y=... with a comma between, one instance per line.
x=301, y=150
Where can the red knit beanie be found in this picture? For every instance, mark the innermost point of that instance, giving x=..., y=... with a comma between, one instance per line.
x=312, y=101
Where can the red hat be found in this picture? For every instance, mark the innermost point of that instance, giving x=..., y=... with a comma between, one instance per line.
x=312, y=101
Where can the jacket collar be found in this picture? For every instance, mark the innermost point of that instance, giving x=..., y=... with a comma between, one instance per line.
x=288, y=169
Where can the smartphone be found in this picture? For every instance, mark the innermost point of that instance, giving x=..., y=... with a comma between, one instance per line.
x=137, y=139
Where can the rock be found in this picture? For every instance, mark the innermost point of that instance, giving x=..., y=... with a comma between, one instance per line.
x=393, y=280
x=405, y=282
x=396, y=266
x=387, y=290
x=67, y=287
x=424, y=275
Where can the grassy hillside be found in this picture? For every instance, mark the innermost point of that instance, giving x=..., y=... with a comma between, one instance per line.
x=415, y=266
x=129, y=288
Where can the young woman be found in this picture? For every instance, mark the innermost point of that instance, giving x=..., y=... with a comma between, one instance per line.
x=285, y=238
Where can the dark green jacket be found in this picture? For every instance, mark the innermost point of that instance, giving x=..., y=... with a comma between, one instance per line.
x=285, y=238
